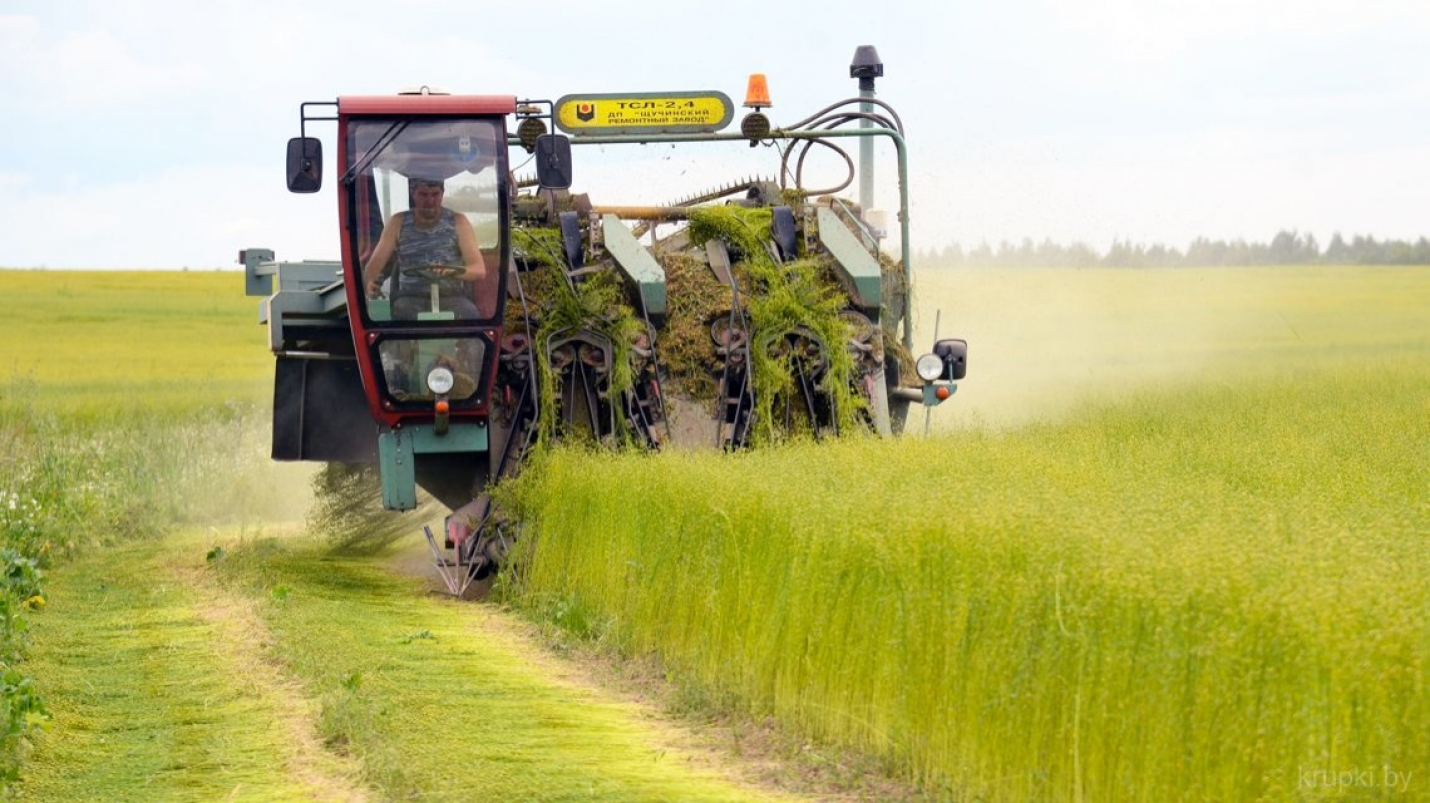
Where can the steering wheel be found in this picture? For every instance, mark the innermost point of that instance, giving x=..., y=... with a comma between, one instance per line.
x=433, y=273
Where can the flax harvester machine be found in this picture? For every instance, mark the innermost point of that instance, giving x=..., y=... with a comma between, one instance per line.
x=744, y=314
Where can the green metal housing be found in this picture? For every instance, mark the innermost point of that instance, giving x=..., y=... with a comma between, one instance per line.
x=398, y=449
x=859, y=270
x=636, y=263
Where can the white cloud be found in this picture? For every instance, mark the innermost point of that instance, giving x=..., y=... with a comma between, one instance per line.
x=13, y=182
x=85, y=70
x=16, y=29
x=1143, y=24
x=1147, y=119
x=197, y=218
x=1222, y=183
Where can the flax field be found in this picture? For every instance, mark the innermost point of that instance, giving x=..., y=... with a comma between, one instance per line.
x=1167, y=542
x=1175, y=547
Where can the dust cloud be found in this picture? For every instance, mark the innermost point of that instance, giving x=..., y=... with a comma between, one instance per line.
x=226, y=476
x=1045, y=341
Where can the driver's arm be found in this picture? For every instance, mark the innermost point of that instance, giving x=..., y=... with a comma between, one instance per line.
x=476, y=268
x=381, y=255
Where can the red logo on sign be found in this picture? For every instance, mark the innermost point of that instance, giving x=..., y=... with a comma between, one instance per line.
x=585, y=111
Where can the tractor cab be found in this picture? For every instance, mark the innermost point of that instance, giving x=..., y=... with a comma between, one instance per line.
x=423, y=189
x=421, y=197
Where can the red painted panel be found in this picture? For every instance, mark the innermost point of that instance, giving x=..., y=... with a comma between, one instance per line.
x=427, y=104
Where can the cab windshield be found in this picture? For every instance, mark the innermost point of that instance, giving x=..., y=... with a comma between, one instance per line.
x=425, y=203
x=425, y=213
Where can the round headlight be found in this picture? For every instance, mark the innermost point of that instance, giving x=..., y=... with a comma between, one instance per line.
x=929, y=367
x=440, y=380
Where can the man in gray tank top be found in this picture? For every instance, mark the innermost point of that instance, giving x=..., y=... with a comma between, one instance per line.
x=431, y=244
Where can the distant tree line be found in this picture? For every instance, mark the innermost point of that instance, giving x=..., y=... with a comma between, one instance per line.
x=1286, y=248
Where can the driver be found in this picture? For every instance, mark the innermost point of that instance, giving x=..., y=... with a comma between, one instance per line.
x=432, y=244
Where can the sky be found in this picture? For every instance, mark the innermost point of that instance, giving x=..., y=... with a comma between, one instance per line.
x=151, y=134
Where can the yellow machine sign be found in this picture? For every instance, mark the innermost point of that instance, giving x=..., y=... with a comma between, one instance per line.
x=644, y=113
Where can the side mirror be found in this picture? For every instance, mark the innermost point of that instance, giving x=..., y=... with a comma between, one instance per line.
x=954, y=354
x=553, y=161
x=305, y=164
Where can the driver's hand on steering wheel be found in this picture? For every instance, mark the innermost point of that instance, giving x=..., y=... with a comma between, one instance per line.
x=434, y=272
